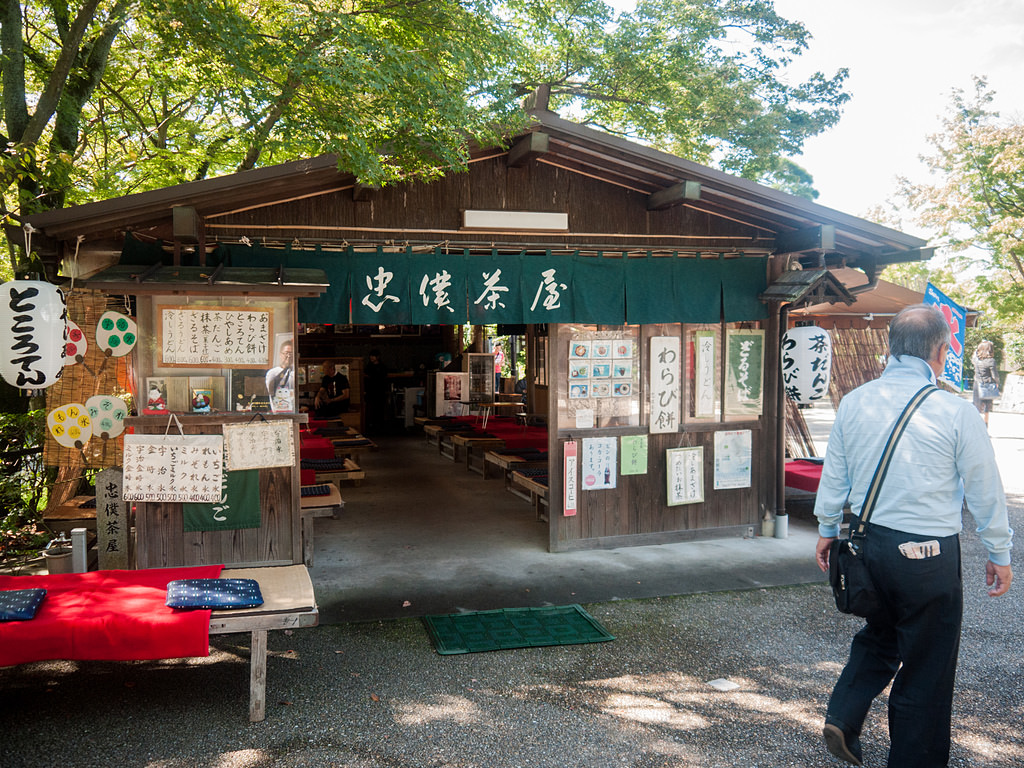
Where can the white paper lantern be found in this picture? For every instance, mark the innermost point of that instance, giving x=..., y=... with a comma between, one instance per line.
x=70, y=425
x=806, y=363
x=33, y=329
x=107, y=413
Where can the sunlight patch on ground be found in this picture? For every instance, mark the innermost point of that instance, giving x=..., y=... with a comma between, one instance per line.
x=453, y=709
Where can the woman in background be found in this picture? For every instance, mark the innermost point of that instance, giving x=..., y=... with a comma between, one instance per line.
x=984, y=373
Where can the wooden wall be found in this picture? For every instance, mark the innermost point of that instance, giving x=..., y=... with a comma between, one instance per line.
x=162, y=542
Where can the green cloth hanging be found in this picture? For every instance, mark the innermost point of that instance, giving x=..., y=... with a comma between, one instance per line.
x=495, y=289
x=744, y=280
x=650, y=290
x=438, y=288
x=380, y=289
x=599, y=293
x=546, y=288
x=698, y=286
x=239, y=507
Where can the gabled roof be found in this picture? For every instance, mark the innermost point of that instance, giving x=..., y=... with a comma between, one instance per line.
x=824, y=237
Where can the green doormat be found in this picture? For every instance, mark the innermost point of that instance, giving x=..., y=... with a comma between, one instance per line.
x=513, y=628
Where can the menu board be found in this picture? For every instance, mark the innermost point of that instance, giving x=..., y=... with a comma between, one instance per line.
x=226, y=337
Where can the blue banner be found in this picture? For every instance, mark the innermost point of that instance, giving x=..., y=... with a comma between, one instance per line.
x=956, y=316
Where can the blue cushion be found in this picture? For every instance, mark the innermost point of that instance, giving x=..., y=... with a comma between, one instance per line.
x=20, y=604
x=213, y=593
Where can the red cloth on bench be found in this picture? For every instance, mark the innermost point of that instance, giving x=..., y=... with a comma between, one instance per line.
x=107, y=615
x=804, y=475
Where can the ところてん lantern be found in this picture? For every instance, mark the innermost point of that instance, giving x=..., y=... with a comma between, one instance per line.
x=806, y=363
x=34, y=329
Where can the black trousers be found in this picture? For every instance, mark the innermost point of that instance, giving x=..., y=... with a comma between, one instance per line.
x=918, y=643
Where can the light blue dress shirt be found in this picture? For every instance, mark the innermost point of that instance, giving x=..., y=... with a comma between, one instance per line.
x=943, y=456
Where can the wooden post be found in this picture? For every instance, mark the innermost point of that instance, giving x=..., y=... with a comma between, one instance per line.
x=111, y=521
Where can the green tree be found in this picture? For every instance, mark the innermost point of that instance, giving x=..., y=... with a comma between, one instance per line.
x=105, y=97
x=977, y=203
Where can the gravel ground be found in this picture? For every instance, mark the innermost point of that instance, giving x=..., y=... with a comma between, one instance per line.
x=377, y=695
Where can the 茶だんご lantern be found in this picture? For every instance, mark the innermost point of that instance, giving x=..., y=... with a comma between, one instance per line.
x=34, y=331
x=806, y=363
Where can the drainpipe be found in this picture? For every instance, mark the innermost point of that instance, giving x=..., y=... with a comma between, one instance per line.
x=781, y=518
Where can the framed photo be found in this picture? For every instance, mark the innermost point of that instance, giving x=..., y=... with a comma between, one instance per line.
x=156, y=396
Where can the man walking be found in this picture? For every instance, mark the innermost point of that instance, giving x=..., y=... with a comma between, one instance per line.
x=911, y=545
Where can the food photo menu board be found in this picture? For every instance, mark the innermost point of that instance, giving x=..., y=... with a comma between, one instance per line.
x=602, y=379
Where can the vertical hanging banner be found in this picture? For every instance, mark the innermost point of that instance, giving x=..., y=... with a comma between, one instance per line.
x=111, y=521
x=634, y=454
x=569, y=479
x=732, y=459
x=237, y=507
x=956, y=318
x=704, y=374
x=685, y=475
x=665, y=384
x=744, y=372
x=600, y=463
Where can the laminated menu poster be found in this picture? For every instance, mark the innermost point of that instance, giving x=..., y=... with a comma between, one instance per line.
x=600, y=463
x=732, y=459
x=173, y=467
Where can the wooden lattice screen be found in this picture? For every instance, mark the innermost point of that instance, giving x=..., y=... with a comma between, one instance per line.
x=96, y=375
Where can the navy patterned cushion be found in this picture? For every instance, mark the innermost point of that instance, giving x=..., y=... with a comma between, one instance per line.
x=213, y=593
x=20, y=604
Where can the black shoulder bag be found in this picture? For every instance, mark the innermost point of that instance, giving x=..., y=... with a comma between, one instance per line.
x=852, y=587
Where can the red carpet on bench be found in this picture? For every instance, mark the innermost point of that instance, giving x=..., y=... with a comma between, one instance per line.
x=107, y=615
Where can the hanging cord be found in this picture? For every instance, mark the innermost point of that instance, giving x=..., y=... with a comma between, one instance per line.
x=74, y=261
x=29, y=229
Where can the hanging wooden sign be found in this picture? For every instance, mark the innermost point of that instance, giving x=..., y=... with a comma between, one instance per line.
x=666, y=384
x=226, y=337
x=685, y=473
x=259, y=445
x=570, y=479
x=173, y=467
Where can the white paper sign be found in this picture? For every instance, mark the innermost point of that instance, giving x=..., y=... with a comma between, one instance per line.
x=259, y=445
x=666, y=391
x=215, y=336
x=173, y=467
x=685, y=475
x=732, y=459
x=600, y=463
x=704, y=374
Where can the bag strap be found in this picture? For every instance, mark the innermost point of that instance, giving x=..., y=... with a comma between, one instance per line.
x=887, y=452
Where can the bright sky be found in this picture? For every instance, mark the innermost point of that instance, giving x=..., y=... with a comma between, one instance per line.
x=905, y=57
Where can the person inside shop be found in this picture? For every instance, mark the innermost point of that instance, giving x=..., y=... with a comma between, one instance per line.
x=281, y=378
x=334, y=396
x=375, y=374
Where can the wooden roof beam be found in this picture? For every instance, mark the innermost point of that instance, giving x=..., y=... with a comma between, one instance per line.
x=819, y=238
x=527, y=149
x=677, y=193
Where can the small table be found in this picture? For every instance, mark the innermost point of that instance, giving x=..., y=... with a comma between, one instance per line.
x=486, y=409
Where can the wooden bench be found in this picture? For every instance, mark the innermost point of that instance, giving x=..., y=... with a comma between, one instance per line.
x=534, y=485
x=505, y=463
x=329, y=504
x=464, y=442
x=288, y=603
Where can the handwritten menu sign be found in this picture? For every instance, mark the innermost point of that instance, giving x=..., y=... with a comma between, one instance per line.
x=253, y=446
x=685, y=475
x=228, y=337
x=634, y=454
x=665, y=384
x=704, y=374
x=173, y=467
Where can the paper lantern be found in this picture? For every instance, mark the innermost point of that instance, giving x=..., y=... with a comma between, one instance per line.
x=70, y=425
x=77, y=345
x=116, y=334
x=33, y=329
x=806, y=363
x=107, y=413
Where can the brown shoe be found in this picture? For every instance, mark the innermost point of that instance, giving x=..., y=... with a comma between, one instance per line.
x=835, y=741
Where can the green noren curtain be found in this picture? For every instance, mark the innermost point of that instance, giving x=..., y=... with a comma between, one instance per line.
x=598, y=291
x=650, y=290
x=438, y=288
x=698, y=286
x=744, y=280
x=380, y=288
x=495, y=289
x=546, y=288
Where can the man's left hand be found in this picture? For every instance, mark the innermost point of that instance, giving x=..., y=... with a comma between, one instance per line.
x=822, y=550
x=998, y=577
